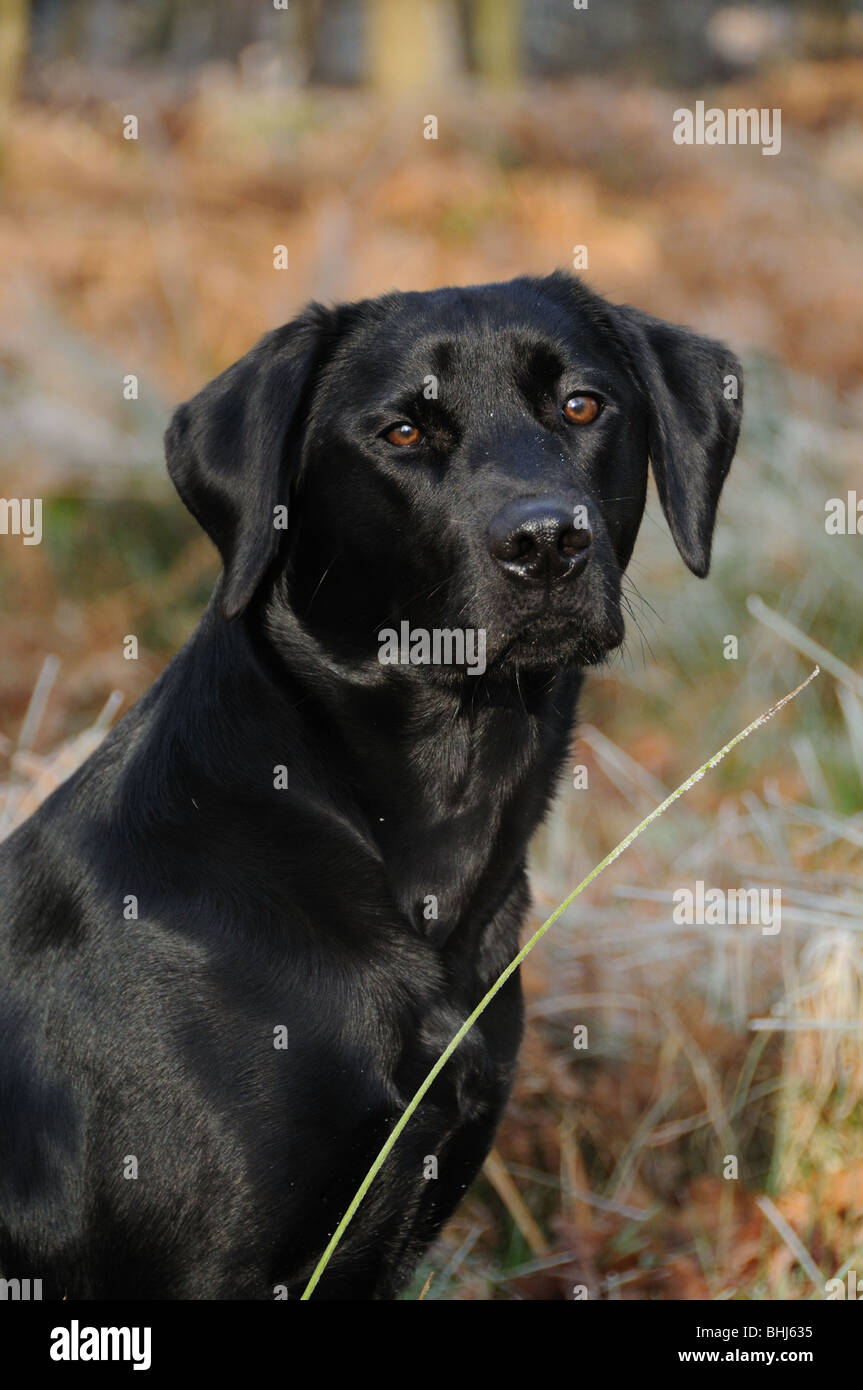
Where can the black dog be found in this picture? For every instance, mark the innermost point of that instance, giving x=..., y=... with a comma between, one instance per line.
x=237, y=938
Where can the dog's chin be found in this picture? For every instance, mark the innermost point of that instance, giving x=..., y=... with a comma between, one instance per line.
x=556, y=643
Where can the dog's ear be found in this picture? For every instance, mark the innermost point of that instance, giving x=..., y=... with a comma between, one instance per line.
x=227, y=449
x=693, y=392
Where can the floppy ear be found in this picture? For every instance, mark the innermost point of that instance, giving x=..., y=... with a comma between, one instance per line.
x=227, y=450
x=693, y=392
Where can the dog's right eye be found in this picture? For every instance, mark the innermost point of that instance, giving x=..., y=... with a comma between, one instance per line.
x=402, y=433
x=582, y=409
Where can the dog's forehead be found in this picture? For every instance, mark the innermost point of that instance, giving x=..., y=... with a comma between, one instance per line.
x=465, y=336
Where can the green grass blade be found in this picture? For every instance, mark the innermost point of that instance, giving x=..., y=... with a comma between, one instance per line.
x=501, y=980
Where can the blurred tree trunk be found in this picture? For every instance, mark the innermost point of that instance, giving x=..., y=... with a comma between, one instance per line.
x=412, y=47
x=497, y=40
x=309, y=19
x=233, y=24
x=14, y=17
x=826, y=27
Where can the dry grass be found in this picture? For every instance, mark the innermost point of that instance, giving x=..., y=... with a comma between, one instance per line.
x=704, y=1041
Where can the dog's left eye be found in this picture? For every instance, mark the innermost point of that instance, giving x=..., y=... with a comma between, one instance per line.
x=403, y=433
x=580, y=410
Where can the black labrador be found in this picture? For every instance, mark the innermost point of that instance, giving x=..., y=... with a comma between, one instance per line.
x=234, y=942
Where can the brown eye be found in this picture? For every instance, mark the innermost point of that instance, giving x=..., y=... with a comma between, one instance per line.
x=402, y=434
x=580, y=410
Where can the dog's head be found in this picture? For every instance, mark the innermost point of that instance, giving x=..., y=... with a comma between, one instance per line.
x=462, y=459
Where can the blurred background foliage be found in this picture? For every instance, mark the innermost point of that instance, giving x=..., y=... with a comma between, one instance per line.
x=262, y=125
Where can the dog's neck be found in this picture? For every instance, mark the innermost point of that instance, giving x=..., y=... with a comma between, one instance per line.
x=423, y=758
x=441, y=783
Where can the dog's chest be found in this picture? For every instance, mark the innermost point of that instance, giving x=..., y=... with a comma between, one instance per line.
x=452, y=847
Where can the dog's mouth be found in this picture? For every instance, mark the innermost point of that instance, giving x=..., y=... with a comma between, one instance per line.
x=558, y=640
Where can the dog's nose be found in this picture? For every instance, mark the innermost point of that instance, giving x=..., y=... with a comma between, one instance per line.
x=538, y=540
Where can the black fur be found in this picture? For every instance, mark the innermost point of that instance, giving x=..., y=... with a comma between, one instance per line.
x=309, y=907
